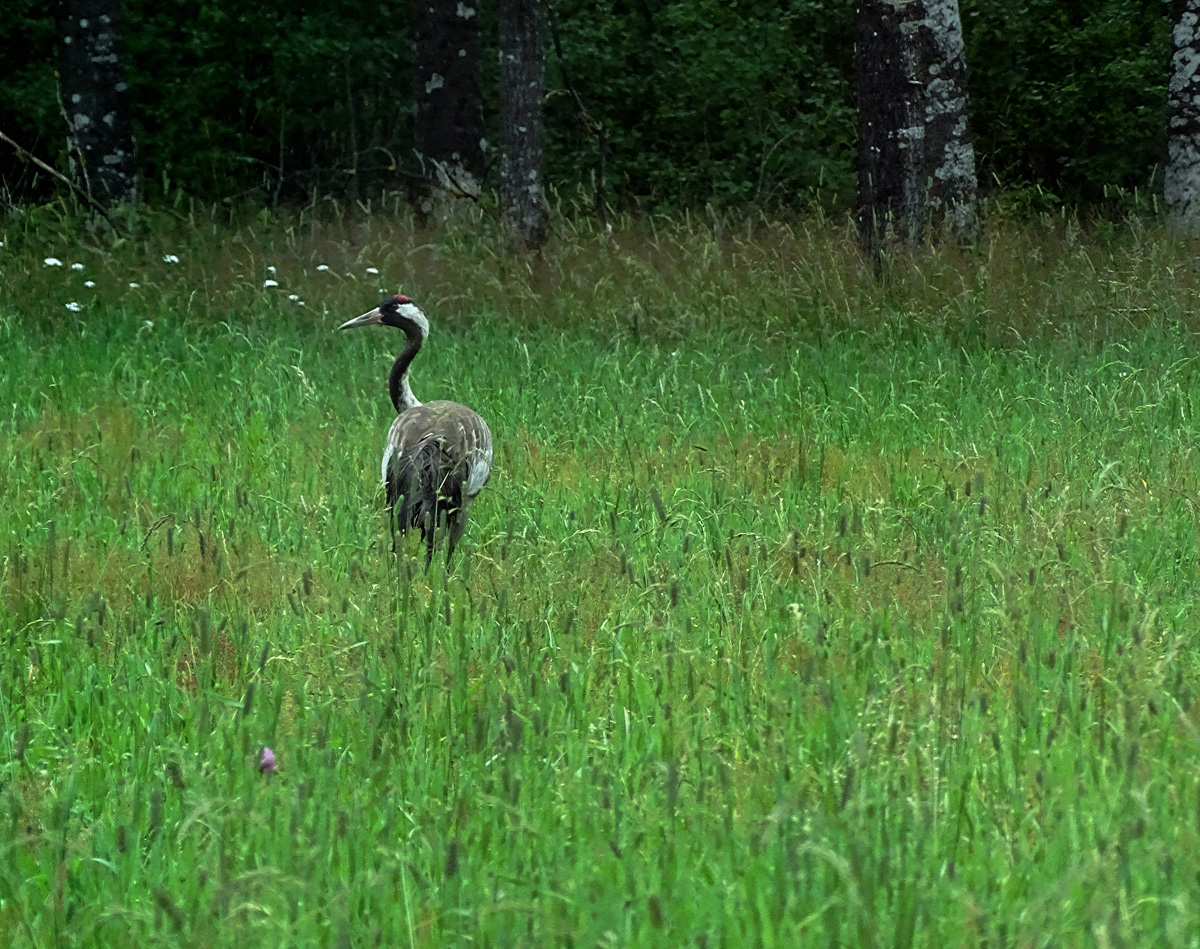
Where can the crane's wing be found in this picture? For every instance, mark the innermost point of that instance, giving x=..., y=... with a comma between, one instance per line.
x=438, y=455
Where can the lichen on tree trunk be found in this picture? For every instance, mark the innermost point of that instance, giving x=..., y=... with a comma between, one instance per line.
x=448, y=131
x=522, y=188
x=99, y=134
x=1181, y=178
x=916, y=161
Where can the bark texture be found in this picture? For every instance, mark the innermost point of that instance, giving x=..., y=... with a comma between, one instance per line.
x=99, y=134
x=448, y=130
x=916, y=164
x=522, y=188
x=1181, y=180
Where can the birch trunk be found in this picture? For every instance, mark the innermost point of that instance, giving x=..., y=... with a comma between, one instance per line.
x=99, y=134
x=522, y=188
x=448, y=129
x=916, y=163
x=1181, y=180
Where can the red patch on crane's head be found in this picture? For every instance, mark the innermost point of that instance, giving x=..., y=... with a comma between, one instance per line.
x=390, y=303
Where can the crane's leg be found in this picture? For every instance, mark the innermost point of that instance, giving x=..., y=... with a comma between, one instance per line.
x=430, y=524
x=457, y=523
x=455, y=533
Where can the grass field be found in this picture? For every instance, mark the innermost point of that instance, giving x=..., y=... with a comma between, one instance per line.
x=803, y=608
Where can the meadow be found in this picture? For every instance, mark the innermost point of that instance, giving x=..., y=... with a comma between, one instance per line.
x=806, y=606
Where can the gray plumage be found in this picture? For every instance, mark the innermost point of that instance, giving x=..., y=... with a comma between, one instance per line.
x=438, y=455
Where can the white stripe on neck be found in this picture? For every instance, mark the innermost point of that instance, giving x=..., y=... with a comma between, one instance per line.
x=407, y=399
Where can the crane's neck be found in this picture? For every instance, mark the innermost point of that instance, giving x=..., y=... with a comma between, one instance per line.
x=398, y=387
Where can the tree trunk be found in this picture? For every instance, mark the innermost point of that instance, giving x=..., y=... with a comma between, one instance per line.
x=522, y=184
x=916, y=165
x=1181, y=180
x=448, y=130
x=99, y=134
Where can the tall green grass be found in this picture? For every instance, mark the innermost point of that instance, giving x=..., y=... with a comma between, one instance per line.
x=802, y=608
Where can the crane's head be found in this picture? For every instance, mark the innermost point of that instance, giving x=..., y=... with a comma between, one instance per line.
x=398, y=311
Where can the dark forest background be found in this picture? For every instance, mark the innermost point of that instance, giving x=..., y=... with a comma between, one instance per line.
x=736, y=103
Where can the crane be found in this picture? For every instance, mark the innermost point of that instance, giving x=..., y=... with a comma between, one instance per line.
x=438, y=455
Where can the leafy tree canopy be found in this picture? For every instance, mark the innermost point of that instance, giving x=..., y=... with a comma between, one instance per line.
x=683, y=103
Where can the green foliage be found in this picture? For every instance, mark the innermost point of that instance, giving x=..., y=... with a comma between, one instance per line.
x=263, y=97
x=1068, y=96
x=745, y=103
x=28, y=103
x=741, y=103
x=803, y=608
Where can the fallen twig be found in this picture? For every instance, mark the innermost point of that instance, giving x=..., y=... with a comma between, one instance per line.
x=26, y=155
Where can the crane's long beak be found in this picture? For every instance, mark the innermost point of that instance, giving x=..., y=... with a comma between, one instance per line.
x=367, y=319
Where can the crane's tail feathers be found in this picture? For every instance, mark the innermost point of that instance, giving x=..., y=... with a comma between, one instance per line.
x=424, y=490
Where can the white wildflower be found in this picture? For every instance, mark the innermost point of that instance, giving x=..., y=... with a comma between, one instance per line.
x=170, y=259
x=76, y=266
x=270, y=283
x=372, y=270
x=134, y=286
x=270, y=270
x=74, y=307
x=293, y=297
x=321, y=267
x=52, y=262
x=89, y=283
x=149, y=324
x=301, y=303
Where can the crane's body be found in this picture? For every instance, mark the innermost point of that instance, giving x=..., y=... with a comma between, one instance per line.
x=438, y=455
